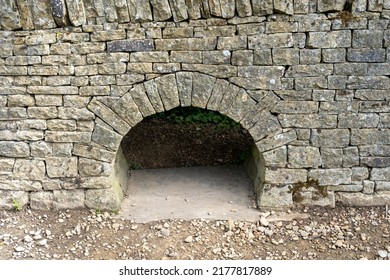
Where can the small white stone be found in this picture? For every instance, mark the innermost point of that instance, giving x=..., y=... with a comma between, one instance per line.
x=28, y=239
x=19, y=249
x=382, y=253
x=43, y=242
x=263, y=221
x=189, y=239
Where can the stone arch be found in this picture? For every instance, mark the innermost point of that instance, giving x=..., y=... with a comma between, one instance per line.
x=185, y=89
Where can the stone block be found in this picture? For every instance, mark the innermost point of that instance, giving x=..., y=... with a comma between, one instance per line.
x=105, y=199
x=277, y=40
x=330, y=137
x=140, y=11
x=61, y=167
x=89, y=151
x=334, y=55
x=366, y=55
x=264, y=127
x=380, y=174
x=186, y=56
x=284, y=6
x=308, y=120
x=360, y=120
x=382, y=186
x=202, y=86
x=43, y=201
x=276, y=157
x=7, y=199
x=194, y=44
x=184, y=87
x=295, y=107
x=361, y=199
x=133, y=45
x=285, y=176
x=68, y=136
x=154, y=96
x=274, y=196
x=68, y=199
x=331, y=176
x=106, y=137
x=29, y=169
x=331, y=6
x=14, y=149
x=128, y=110
x=368, y=187
x=90, y=167
x=262, y=57
x=61, y=149
x=331, y=157
x=219, y=89
x=303, y=157
x=218, y=71
x=329, y=40
x=262, y=7
x=242, y=58
x=161, y=10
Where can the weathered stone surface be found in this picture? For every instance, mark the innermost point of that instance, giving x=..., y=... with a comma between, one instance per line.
x=184, y=87
x=330, y=6
x=333, y=39
x=202, y=86
x=264, y=127
x=107, y=138
x=59, y=12
x=9, y=15
x=276, y=157
x=366, y=55
x=14, y=149
x=330, y=137
x=7, y=199
x=107, y=115
x=277, y=40
x=227, y=8
x=288, y=176
x=360, y=199
x=140, y=11
x=76, y=12
x=68, y=199
x=161, y=10
x=381, y=174
x=42, y=16
x=167, y=88
x=308, y=120
x=90, y=167
x=61, y=167
x=6, y=165
x=106, y=199
x=132, y=45
x=128, y=110
x=262, y=7
x=274, y=196
x=42, y=201
x=190, y=44
x=295, y=107
x=331, y=176
x=276, y=140
x=25, y=12
x=89, y=151
x=68, y=136
x=369, y=136
x=218, y=71
x=284, y=6
x=29, y=169
x=303, y=157
x=361, y=120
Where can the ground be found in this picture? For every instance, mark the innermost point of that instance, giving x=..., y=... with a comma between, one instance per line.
x=301, y=233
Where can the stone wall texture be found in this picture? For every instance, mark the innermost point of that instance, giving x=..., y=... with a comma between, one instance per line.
x=309, y=80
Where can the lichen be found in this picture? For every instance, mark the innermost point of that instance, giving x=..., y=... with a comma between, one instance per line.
x=299, y=187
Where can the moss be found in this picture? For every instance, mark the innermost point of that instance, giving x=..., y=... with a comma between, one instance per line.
x=346, y=17
x=298, y=188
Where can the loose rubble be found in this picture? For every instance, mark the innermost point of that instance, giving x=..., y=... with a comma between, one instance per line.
x=340, y=233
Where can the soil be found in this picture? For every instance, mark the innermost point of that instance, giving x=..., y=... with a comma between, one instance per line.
x=158, y=143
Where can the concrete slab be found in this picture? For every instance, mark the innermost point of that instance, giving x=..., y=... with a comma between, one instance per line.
x=213, y=193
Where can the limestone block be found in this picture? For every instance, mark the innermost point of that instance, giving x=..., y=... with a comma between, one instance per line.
x=15, y=113
x=105, y=199
x=285, y=176
x=262, y=57
x=275, y=196
x=360, y=120
x=219, y=89
x=61, y=167
x=244, y=8
x=14, y=149
x=59, y=12
x=202, y=86
x=29, y=169
x=364, y=94
x=21, y=101
x=333, y=55
x=122, y=11
x=240, y=106
x=381, y=174
x=184, y=88
x=161, y=10
x=350, y=157
x=179, y=10
x=295, y=107
x=375, y=161
x=106, y=137
x=312, y=198
x=89, y=151
x=330, y=5
x=262, y=7
x=331, y=157
x=76, y=12
x=242, y=58
x=25, y=13
x=94, y=90
x=128, y=110
x=42, y=201
x=191, y=44
x=361, y=199
x=194, y=8
x=375, y=5
x=276, y=140
x=186, y=56
x=167, y=88
x=20, y=185
x=140, y=11
x=303, y=157
x=68, y=199
x=309, y=70
x=366, y=55
x=228, y=97
x=367, y=39
x=132, y=45
x=276, y=157
x=9, y=15
x=109, y=10
x=68, y=136
x=78, y=48
x=41, y=15
x=63, y=90
x=13, y=70
x=154, y=96
x=284, y=6
x=330, y=137
x=277, y=40
x=41, y=149
x=215, y=8
x=264, y=127
x=329, y=40
x=227, y=8
x=108, y=116
x=368, y=187
x=23, y=60
x=382, y=186
x=301, y=6
x=218, y=71
x=308, y=120
x=331, y=176
x=166, y=68
x=7, y=199
x=90, y=167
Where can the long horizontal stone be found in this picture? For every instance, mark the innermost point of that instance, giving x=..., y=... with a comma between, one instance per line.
x=134, y=45
x=14, y=149
x=21, y=185
x=330, y=137
x=276, y=140
x=29, y=169
x=7, y=199
x=380, y=174
x=68, y=136
x=370, y=136
x=89, y=151
x=361, y=199
x=331, y=176
x=360, y=120
x=8, y=135
x=69, y=199
x=218, y=71
x=308, y=120
x=60, y=90
x=329, y=40
x=285, y=176
x=190, y=44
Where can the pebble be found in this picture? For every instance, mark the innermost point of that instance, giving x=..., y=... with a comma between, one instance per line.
x=189, y=239
x=165, y=232
x=19, y=249
x=339, y=243
x=382, y=253
x=42, y=242
x=263, y=221
x=115, y=226
x=28, y=239
x=134, y=227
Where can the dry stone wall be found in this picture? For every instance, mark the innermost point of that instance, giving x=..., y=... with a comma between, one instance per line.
x=309, y=80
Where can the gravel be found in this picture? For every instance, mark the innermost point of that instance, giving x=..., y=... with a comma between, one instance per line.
x=314, y=233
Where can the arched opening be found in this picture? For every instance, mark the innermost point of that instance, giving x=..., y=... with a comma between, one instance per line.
x=188, y=162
